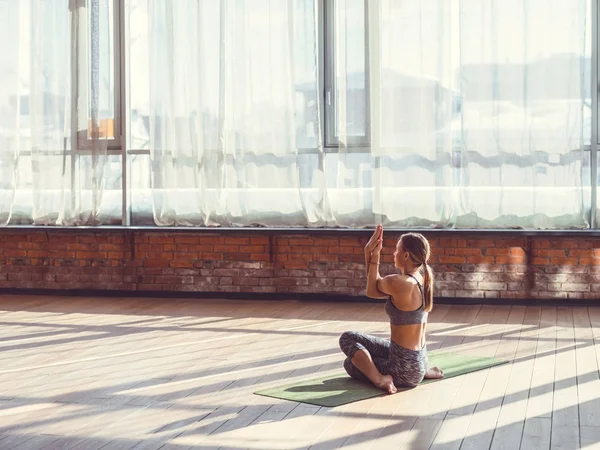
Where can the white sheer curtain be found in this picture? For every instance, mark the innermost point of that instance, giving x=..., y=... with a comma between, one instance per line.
x=51, y=154
x=440, y=113
x=524, y=83
x=412, y=86
x=233, y=112
x=477, y=112
x=9, y=108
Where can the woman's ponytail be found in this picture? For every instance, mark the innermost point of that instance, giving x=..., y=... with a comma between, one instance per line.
x=428, y=287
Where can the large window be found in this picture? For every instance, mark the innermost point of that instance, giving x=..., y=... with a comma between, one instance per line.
x=448, y=113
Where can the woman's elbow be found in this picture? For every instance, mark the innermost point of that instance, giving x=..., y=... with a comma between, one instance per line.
x=374, y=294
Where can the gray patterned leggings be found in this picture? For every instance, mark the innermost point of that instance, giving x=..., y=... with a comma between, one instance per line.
x=407, y=367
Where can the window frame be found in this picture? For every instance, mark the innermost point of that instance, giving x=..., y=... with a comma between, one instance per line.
x=331, y=143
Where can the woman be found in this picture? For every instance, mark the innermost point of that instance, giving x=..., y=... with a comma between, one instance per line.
x=402, y=360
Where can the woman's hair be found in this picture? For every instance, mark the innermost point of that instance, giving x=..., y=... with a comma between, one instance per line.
x=419, y=250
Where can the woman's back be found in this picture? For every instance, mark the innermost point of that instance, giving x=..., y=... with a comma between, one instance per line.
x=405, y=308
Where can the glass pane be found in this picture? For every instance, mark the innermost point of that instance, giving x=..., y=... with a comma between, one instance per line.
x=350, y=117
x=102, y=60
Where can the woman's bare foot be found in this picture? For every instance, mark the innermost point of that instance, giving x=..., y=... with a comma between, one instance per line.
x=386, y=383
x=434, y=372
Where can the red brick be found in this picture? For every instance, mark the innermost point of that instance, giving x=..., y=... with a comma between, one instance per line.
x=156, y=263
x=564, y=243
x=480, y=243
x=497, y=251
x=452, y=259
x=201, y=248
x=510, y=259
x=541, y=243
x=186, y=239
x=211, y=256
x=185, y=263
x=230, y=240
x=478, y=260
x=305, y=241
x=564, y=261
x=183, y=255
x=341, y=250
x=89, y=255
x=236, y=256
x=302, y=257
x=466, y=251
x=252, y=248
x=326, y=242
x=110, y=247
x=550, y=253
x=586, y=253
x=302, y=249
x=37, y=237
x=86, y=239
x=158, y=239
x=260, y=257
x=211, y=240
x=226, y=248
x=511, y=242
x=13, y=253
x=350, y=259
x=540, y=261
x=37, y=253
x=259, y=240
x=75, y=247
x=357, y=242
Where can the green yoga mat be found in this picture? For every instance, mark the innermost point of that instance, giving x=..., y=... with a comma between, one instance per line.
x=339, y=389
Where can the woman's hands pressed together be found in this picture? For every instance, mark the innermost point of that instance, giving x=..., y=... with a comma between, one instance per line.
x=373, y=247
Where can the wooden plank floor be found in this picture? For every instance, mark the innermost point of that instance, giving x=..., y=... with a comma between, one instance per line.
x=121, y=373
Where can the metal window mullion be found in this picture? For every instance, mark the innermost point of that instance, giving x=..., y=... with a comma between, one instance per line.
x=328, y=33
x=594, y=95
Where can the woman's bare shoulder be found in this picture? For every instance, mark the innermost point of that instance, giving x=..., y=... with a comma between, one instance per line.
x=402, y=288
x=398, y=284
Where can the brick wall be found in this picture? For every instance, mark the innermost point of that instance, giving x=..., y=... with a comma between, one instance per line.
x=257, y=262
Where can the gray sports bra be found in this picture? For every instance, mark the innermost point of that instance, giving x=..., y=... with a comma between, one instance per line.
x=399, y=317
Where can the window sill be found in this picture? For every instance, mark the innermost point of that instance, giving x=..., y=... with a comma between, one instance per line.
x=302, y=230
